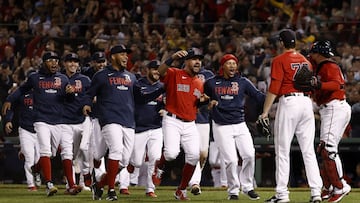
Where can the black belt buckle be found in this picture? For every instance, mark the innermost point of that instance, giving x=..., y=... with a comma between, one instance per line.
x=295, y=94
x=177, y=117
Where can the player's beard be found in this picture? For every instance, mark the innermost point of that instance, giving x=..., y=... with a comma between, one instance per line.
x=121, y=63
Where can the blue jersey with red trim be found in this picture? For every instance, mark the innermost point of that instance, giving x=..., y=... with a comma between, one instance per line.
x=73, y=107
x=148, y=103
x=230, y=94
x=25, y=110
x=49, y=95
x=114, y=96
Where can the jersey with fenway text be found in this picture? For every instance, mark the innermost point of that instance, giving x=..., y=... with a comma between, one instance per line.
x=182, y=93
x=49, y=95
x=114, y=96
x=230, y=95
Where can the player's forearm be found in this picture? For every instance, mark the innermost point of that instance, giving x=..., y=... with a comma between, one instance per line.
x=269, y=100
x=331, y=86
x=163, y=67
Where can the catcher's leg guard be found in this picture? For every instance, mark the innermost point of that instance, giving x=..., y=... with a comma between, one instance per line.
x=330, y=169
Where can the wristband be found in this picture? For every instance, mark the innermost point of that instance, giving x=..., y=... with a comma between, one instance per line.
x=169, y=61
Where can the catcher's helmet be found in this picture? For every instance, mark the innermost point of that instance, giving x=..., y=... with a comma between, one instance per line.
x=322, y=47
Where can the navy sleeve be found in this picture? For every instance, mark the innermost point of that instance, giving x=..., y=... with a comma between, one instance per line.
x=252, y=91
x=143, y=96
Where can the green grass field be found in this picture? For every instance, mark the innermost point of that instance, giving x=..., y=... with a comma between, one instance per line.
x=11, y=193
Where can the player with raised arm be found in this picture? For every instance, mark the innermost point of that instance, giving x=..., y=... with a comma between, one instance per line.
x=183, y=93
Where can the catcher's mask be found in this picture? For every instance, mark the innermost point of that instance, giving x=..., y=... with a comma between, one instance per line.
x=322, y=47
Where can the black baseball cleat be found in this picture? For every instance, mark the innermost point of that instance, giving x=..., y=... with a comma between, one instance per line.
x=233, y=197
x=111, y=196
x=96, y=191
x=253, y=195
x=274, y=199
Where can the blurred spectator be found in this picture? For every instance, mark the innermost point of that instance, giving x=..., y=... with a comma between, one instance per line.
x=84, y=54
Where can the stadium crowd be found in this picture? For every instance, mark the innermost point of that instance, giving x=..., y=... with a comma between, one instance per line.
x=156, y=29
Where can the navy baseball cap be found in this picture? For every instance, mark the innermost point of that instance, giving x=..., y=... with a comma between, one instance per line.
x=72, y=57
x=119, y=49
x=83, y=47
x=194, y=53
x=98, y=56
x=288, y=37
x=50, y=55
x=154, y=64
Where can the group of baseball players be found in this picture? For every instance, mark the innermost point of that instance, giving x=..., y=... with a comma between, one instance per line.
x=106, y=120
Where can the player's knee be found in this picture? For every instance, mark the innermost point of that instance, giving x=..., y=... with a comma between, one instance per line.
x=170, y=155
x=192, y=159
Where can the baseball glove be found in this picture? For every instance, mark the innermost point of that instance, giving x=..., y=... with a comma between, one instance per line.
x=263, y=125
x=303, y=79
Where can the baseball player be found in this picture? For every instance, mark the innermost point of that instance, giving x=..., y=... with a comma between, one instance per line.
x=203, y=126
x=335, y=115
x=227, y=98
x=183, y=93
x=294, y=116
x=98, y=62
x=113, y=88
x=28, y=140
x=75, y=124
x=50, y=88
x=148, y=133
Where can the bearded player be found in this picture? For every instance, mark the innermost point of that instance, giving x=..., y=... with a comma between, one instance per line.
x=113, y=88
x=183, y=93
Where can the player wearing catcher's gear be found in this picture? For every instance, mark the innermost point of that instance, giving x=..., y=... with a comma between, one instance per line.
x=335, y=115
x=51, y=88
x=28, y=140
x=203, y=126
x=148, y=94
x=113, y=88
x=291, y=119
x=75, y=125
x=227, y=98
x=183, y=93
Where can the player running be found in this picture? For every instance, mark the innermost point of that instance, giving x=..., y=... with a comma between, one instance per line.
x=183, y=93
x=50, y=88
x=148, y=133
x=227, y=98
x=113, y=88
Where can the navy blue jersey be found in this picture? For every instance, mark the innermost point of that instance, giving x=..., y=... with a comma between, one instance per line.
x=73, y=107
x=88, y=71
x=230, y=94
x=24, y=108
x=148, y=103
x=49, y=95
x=114, y=96
x=202, y=115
